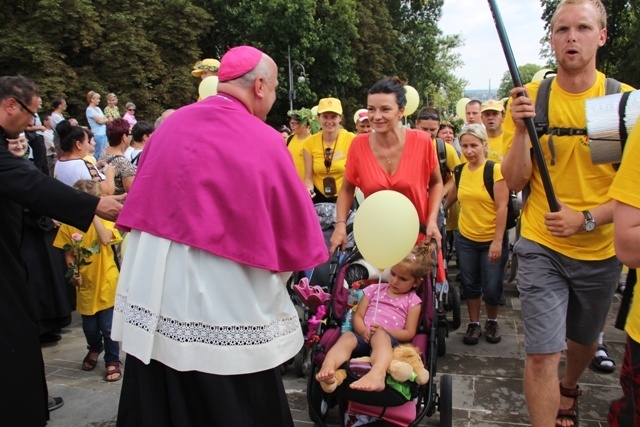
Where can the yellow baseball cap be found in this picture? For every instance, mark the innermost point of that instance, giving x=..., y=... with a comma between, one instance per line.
x=330, y=105
x=206, y=64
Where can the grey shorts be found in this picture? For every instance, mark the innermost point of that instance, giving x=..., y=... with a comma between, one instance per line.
x=562, y=297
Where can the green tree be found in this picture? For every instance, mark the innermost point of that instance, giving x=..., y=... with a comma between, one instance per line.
x=141, y=50
x=526, y=73
x=620, y=56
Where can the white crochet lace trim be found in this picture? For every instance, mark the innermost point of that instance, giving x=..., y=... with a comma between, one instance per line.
x=198, y=332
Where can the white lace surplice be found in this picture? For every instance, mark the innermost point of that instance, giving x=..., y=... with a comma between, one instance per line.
x=192, y=310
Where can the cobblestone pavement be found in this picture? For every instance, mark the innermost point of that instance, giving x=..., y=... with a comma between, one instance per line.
x=487, y=379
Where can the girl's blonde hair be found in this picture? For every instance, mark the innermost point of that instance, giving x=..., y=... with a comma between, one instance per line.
x=88, y=186
x=420, y=259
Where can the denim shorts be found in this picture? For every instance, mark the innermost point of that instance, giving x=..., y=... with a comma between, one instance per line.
x=562, y=297
x=479, y=277
x=364, y=348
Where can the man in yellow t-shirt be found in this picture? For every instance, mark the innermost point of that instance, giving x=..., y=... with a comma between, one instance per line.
x=299, y=122
x=626, y=218
x=492, y=114
x=567, y=266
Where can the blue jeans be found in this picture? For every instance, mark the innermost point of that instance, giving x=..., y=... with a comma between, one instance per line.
x=101, y=143
x=479, y=277
x=97, y=331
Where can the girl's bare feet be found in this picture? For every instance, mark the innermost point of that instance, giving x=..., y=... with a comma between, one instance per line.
x=372, y=381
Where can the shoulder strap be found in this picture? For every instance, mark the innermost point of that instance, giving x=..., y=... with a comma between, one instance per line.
x=612, y=86
x=442, y=156
x=541, y=119
x=487, y=177
x=289, y=138
x=457, y=173
x=136, y=158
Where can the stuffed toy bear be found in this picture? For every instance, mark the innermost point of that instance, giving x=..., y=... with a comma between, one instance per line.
x=406, y=362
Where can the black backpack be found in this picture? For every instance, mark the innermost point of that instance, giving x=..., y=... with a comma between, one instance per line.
x=487, y=176
x=541, y=120
x=441, y=148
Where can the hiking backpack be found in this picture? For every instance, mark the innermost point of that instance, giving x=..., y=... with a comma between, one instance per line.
x=487, y=177
x=541, y=120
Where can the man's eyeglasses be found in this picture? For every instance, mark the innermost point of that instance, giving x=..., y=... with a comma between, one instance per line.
x=328, y=157
x=429, y=117
x=25, y=107
x=293, y=123
x=131, y=109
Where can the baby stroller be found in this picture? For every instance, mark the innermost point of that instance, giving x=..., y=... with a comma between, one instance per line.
x=386, y=405
x=316, y=283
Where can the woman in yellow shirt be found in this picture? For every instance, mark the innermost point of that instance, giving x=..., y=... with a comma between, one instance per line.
x=481, y=244
x=325, y=153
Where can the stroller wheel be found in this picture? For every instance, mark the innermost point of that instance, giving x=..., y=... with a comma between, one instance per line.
x=318, y=401
x=454, y=293
x=445, y=401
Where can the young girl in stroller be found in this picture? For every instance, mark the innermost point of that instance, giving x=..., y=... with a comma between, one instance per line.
x=387, y=315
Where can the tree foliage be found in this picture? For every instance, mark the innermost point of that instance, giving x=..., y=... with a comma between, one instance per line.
x=526, y=73
x=620, y=56
x=143, y=50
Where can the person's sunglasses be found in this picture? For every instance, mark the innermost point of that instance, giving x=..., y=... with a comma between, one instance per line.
x=327, y=157
x=429, y=117
x=25, y=107
x=131, y=109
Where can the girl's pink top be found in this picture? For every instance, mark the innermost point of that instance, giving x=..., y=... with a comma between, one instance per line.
x=392, y=312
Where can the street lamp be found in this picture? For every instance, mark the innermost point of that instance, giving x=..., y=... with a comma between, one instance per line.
x=301, y=78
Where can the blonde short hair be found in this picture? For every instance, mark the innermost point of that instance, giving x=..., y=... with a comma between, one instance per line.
x=602, y=11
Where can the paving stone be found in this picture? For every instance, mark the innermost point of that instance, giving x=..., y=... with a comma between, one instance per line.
x=487, y=378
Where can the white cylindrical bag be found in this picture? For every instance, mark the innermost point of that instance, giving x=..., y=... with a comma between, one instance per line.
x=606, y=117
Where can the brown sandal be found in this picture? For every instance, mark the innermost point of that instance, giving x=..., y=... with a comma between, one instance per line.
x=89, y=364
x=115, y=370
x=572, y=413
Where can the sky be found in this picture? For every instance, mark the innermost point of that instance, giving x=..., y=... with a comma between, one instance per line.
x=482, y=54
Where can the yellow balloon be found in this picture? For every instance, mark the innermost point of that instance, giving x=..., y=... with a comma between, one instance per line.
x=386, y=228
x=460, y=107
x=314, y=110
x=208, y=87
x=413, y=100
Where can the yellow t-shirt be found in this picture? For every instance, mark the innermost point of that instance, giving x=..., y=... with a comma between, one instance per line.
x=100, y=278
x=495, y=148
x=314, y=146
x=477, y=220
x=625, y=189
x=295, y=147
x=577, y=182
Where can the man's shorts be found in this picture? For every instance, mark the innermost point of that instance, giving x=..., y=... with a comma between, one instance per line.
x=562, y=297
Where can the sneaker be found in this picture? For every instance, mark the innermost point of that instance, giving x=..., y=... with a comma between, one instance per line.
x=474, y=331
x=492, y=331
x=55, y=403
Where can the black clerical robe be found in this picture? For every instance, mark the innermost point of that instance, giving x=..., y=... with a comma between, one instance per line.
x=24, y=402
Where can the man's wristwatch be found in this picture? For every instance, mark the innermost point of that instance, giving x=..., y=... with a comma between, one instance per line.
x=589, y=222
